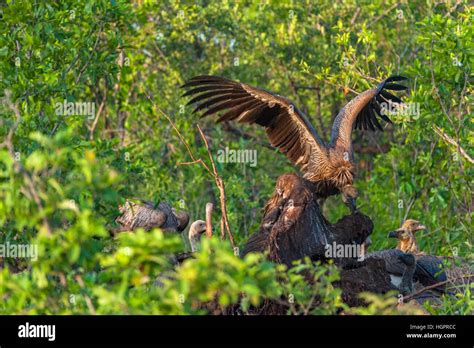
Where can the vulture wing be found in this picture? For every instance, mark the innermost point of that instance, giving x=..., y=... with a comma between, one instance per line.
x=286, y=126
x=428, y=270
x=431, y=270
x=393, y=264
x=364, y=112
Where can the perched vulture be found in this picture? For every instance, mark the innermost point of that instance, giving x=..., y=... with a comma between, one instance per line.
x=147, y=216
x=427, y=271
x=329, y=166
x=457, y=271
x=294, y=227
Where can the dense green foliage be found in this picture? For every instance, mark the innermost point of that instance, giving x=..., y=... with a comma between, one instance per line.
x=63, y=176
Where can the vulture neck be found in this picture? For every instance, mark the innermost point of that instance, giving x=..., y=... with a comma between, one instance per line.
x=193, y=237
x=408, y=246
x=346, y=117
x=406, y=285
x=194, y=243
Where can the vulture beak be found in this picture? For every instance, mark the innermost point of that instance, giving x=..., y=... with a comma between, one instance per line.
x=393, y=234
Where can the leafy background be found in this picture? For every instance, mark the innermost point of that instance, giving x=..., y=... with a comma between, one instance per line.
x=63, y=177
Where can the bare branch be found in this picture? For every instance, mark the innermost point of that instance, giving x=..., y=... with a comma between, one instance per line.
x=451, y=141
x=215, y=175
x=209, y=208
x=220, y=185
x=96, y=120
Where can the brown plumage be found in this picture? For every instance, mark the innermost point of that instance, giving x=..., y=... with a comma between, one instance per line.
x=294, y=227
x=331, y=166
x=406, y=236
x=147, y=216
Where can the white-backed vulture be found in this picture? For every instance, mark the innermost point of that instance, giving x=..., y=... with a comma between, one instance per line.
x=329, y=166
x=195, y=233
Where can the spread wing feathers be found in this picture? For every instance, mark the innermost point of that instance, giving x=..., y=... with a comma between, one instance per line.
x=286, y=127
x=367, y=118
x=366, y=110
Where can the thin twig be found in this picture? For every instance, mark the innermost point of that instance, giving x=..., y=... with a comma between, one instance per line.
x=453, y=142
x=220, y=185
x=180, y=136
x=192, y=162
x=354, y=17
x=215, y=175
x=94, y=48
x=209, y=209
x=96, y=120
x=88, y=300
x=387, y=11
x=409, y=297
x=8, y=143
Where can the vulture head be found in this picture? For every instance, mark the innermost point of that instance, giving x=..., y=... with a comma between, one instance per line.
x=413, y=225
x=406, y=235
x=196, y=230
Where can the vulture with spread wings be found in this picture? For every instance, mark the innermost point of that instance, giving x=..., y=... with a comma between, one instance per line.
x=329, y=166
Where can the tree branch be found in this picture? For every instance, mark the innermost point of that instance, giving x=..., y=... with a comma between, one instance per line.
x=225, y=227
x=453, y=142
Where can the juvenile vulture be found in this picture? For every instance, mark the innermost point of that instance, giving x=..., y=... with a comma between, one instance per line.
x=454, y=269
x=196, y=230
x=329, y=166
x=406, y=236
